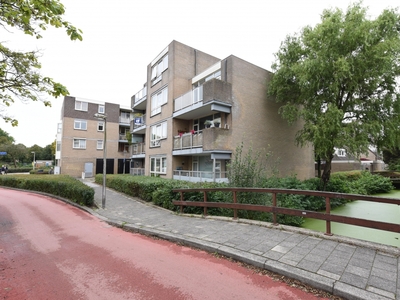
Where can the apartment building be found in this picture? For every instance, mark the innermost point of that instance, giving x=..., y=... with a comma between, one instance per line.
x=194, y=109
x=80, y=138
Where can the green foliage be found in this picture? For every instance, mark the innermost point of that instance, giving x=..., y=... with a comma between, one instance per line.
x=60, y=185
x=394, y=165
x=19, y=71
x=159, y=191
x=340, y=79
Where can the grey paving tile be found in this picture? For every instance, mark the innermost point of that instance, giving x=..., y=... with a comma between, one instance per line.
x=327, y=245
x=384, y=274
x=354, y=280
x=309, y=265
x=273, y=255
x=384, y=266
x=382, y=284
x=365, y=273
x=332, y=268
x=358, y=262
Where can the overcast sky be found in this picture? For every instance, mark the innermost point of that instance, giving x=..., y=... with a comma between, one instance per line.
x=121, y=37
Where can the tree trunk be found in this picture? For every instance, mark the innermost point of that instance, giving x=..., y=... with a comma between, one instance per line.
x=326, y=175
x=319, y=166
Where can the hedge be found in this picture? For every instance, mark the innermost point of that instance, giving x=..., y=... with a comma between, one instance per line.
x=58, y=185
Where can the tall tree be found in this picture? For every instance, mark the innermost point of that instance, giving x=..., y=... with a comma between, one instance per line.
x=341, y=79
x=19, y=71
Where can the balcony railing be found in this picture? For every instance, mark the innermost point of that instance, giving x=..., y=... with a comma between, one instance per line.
x=138, y=148
x=188, y=140
x=122, y=137
x=189, y=99
x=200, y=176
x=139, y=122
x=124, y=120
x=137, y=171
x=139, y=96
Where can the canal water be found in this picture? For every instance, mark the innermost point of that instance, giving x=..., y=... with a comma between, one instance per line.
x=389, y=213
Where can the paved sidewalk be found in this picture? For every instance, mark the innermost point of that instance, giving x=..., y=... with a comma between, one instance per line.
x=345, y=267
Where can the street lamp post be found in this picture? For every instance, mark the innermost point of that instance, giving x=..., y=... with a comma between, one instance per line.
x=103, y=194
x=34, y=159
x=124, y=162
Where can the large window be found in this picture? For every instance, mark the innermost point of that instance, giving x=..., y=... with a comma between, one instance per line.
x=80, y=124
x=158, y=165
x=158, y=132
x=158, y=69
x=79, y=144
x=81, y=105
x=157, y=100
x=100, y=144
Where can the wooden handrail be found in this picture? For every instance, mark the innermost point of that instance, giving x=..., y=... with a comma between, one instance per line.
x=274, y=209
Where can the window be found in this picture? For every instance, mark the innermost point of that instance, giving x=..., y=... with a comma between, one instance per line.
x=100, y=126
x=79, y=144
x=341, y=152
x=80, y=124
x=157, y=100
x=59, y=127
x=158, y=165
x=58, y=146
x=157, y=133
x=81, y=105
x=102, y=109
x=158, y=69
x=99, y=144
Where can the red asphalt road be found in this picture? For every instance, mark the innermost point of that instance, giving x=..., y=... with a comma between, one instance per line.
x=51, y=250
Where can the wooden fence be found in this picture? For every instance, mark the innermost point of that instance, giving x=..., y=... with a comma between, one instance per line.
x=274, y=209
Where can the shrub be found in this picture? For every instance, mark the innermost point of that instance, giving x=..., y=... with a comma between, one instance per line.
x=60, y=185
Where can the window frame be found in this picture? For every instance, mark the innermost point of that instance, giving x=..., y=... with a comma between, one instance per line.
x=81, y=146
x=80, y=122
x=158, y=165
x=159, y=68
x=81, y=105
x=99, y=124
x=98, y=146
x=158, y=99
x=101, y=109
x=158, y=132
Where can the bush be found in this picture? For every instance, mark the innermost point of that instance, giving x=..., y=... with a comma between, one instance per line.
x=60, y=185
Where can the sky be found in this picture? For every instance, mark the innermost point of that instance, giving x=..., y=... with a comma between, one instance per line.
x=121, y=37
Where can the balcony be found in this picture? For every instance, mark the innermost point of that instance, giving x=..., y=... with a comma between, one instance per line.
x=200, y=176
x=122, y=137
x=138, y=149
x=213, y=95
x=138, y=101
x=188, y=140
x=125, y=121
x=139, y=125
x=137, y=171
x=208, y=139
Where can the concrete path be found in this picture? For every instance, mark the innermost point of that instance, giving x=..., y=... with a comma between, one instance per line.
x=345, y=267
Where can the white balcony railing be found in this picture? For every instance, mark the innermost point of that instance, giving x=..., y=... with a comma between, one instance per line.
x=189, y=99
x=200, y=176
x=137, y=171
x=188, y=140
x=138, y=148
x=124, y=120
x=140, y=95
